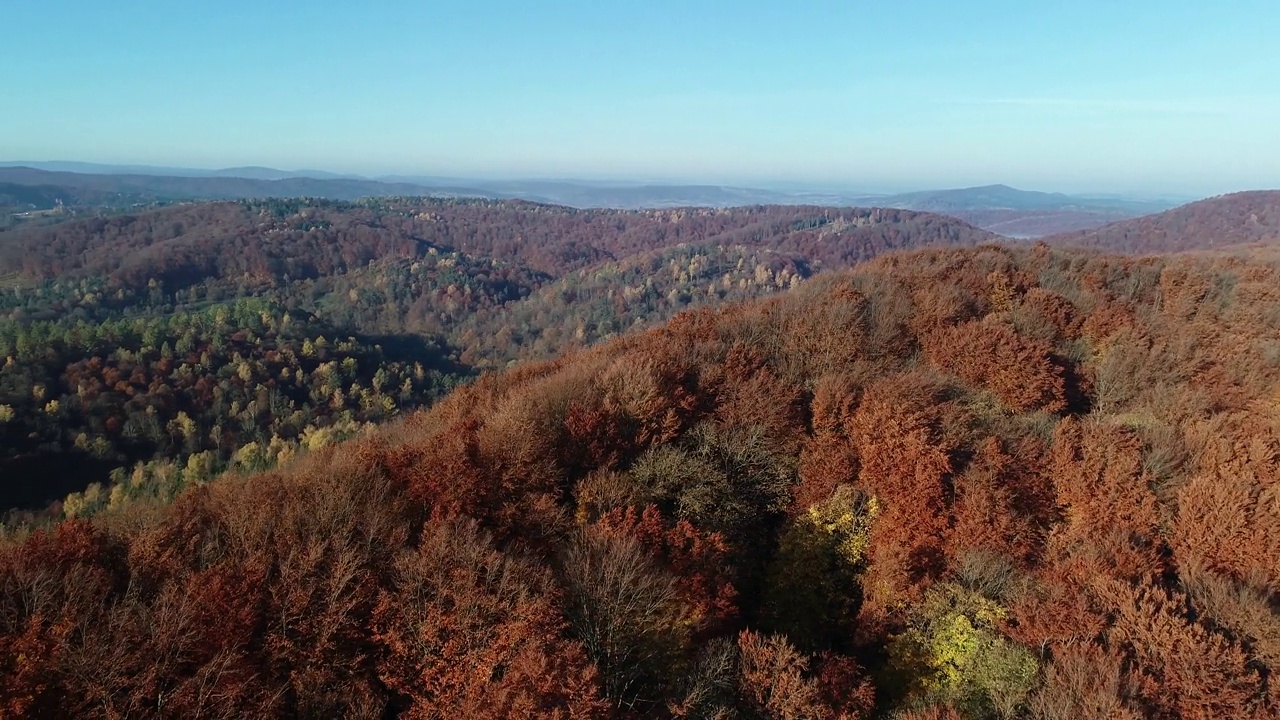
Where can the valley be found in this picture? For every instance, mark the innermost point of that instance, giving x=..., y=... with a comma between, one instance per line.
x=162, y=344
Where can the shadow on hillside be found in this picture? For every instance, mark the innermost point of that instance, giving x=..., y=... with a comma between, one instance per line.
x=34, y=480
x=433, y=353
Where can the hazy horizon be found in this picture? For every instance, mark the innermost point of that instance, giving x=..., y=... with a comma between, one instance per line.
x=780, y=186
x=1085, y=98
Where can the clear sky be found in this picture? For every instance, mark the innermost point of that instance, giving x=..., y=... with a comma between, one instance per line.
x=1088, y=95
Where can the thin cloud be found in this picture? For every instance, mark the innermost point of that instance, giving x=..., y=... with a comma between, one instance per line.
x=1211, y=107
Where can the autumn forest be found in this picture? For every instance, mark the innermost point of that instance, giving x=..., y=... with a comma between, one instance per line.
x=435, y=458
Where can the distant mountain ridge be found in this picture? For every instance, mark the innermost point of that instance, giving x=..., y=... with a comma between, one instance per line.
x=1025, y=213
x=142, y=187
x=253, y=172
x=998, y=208
x=1005, y=197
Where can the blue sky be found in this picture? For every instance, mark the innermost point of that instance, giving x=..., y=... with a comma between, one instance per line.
x=1158, y=97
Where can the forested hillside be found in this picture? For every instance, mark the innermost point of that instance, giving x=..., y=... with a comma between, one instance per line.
x=1239, y=218
x=306, y=238
x=167, y=346
x=983, y=483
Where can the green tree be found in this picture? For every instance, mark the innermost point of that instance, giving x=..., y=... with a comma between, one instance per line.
x=952, y=652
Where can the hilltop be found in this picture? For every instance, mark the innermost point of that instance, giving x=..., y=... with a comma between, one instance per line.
x=1235, y=219
x=1022, y=213
x=975, y=483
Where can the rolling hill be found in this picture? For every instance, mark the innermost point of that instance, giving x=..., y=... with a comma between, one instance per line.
x=163, y=338
x=955, y=483
x=998, y=208
x=1235, y=219
x=301, y=238
x=1022, y=213
x=470, y=286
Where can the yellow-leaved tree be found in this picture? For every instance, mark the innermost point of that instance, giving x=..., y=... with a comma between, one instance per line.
x=811, y=587
x=952, y=653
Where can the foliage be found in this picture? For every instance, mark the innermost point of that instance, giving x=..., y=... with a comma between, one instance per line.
x=158, y=336
x=952, y=652
x=812, y=591
x=170, y=401
x=786, y=508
